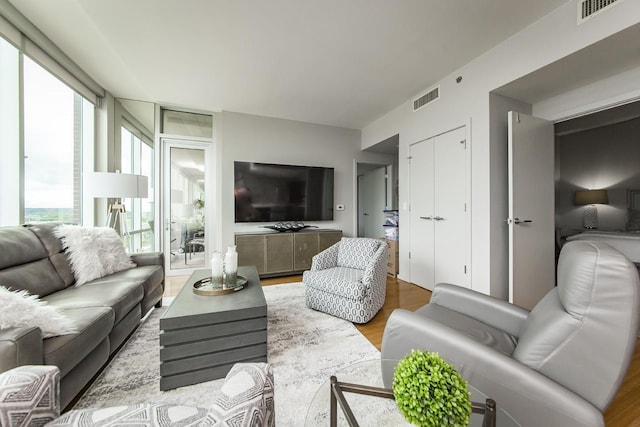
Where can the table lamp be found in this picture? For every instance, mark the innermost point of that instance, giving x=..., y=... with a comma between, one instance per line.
x=589, y=199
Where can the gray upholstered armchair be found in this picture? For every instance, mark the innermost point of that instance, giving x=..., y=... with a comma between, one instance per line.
x=348, y=279
x=30, y=397
x=560, y=364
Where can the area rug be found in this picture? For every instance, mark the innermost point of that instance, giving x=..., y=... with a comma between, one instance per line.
x=304, y=347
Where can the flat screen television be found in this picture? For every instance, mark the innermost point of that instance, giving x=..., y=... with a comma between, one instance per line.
x=271, y=192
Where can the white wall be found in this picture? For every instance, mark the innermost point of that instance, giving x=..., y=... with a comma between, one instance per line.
x=552, y=38
x=246, y=137
x=601, y=158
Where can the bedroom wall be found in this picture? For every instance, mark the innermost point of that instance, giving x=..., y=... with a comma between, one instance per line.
x=247, y=137
x=552, y=38
x=600, y=158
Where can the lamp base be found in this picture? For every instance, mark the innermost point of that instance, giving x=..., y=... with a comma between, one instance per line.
x=590, y=216
x=116, y=218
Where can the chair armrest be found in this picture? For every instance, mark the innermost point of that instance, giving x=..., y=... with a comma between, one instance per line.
x=326, y=259
x=246, y=380
x=487, y=309
x=378, y=267
x=20, y=346
x=529, y=397
x=29, y=395
x=148, y=258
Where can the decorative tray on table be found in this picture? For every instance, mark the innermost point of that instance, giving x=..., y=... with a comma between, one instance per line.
x=208, y=288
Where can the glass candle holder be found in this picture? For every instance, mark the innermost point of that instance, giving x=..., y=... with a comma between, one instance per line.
x=217, y=268
x=230, y=267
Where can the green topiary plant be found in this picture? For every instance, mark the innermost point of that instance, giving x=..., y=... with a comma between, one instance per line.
x=430, y=392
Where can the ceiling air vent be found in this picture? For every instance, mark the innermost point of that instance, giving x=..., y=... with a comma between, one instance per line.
x=587, y=9
x=428, y=97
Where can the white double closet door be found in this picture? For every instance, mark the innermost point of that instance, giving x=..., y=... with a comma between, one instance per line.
x=439, y=230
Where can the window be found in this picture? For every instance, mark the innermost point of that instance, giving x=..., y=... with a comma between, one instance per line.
x=137, y=158
x=46, y=126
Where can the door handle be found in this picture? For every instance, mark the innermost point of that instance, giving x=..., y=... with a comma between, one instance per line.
x=521, y=221
x=426, y=217
x=438, y=218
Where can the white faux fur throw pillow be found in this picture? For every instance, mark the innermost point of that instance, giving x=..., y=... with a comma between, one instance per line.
x=21, y=309
x=93, y=252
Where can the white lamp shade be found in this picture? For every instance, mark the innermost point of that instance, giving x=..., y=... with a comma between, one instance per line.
x=110, y=184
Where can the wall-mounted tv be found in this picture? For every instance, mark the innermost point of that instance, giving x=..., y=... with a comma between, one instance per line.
x=271, y=192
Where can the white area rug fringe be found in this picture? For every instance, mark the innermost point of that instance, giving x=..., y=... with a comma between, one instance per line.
x=305, y=348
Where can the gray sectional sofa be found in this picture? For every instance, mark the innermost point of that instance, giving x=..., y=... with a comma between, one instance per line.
x=106, y=310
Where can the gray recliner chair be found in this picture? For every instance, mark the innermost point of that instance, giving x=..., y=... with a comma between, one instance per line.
x=560, y=364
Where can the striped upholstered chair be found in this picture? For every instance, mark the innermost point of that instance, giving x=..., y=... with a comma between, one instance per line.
x=348, y=279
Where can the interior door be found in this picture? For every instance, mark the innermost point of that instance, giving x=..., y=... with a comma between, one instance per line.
x=374, y=201
x=450, y=208
x=421, y=184
x=531, y=209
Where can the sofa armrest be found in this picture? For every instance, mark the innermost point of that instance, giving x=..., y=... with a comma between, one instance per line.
x=250, y=380
x=528, y=396
x=20, y=346
x=29, y=395
x=489, y=310
x=326, y=259
x=148, y=258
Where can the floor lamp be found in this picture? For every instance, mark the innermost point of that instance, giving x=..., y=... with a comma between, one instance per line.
x=116, y=186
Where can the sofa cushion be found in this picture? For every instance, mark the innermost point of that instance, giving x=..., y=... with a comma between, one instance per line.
x=38, y=277
x=342, y=281
x=21, y=309
x=147, y=276
x=19, y=246
x=52, y=244
x=111, y=292
x=24, y=263
x=356, y=252
x=93, y=252
x=67, y=351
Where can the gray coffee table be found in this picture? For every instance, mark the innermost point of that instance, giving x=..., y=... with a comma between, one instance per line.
x=202, y=337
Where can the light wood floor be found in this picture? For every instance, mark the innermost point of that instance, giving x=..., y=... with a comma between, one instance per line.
x=623, y=412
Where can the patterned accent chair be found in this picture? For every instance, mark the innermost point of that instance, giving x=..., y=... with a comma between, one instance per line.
x=30, y=397
x=348, y=279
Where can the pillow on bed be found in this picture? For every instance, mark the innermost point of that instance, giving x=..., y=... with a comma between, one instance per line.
x=633, y=220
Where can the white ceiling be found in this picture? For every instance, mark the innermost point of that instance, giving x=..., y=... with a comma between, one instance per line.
x=336, y=62
x=605, y=58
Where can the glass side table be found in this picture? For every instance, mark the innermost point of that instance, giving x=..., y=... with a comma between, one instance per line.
x=366, y=402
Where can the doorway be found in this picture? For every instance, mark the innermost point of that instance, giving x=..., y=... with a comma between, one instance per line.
x=374, y=196
x=187, y=236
